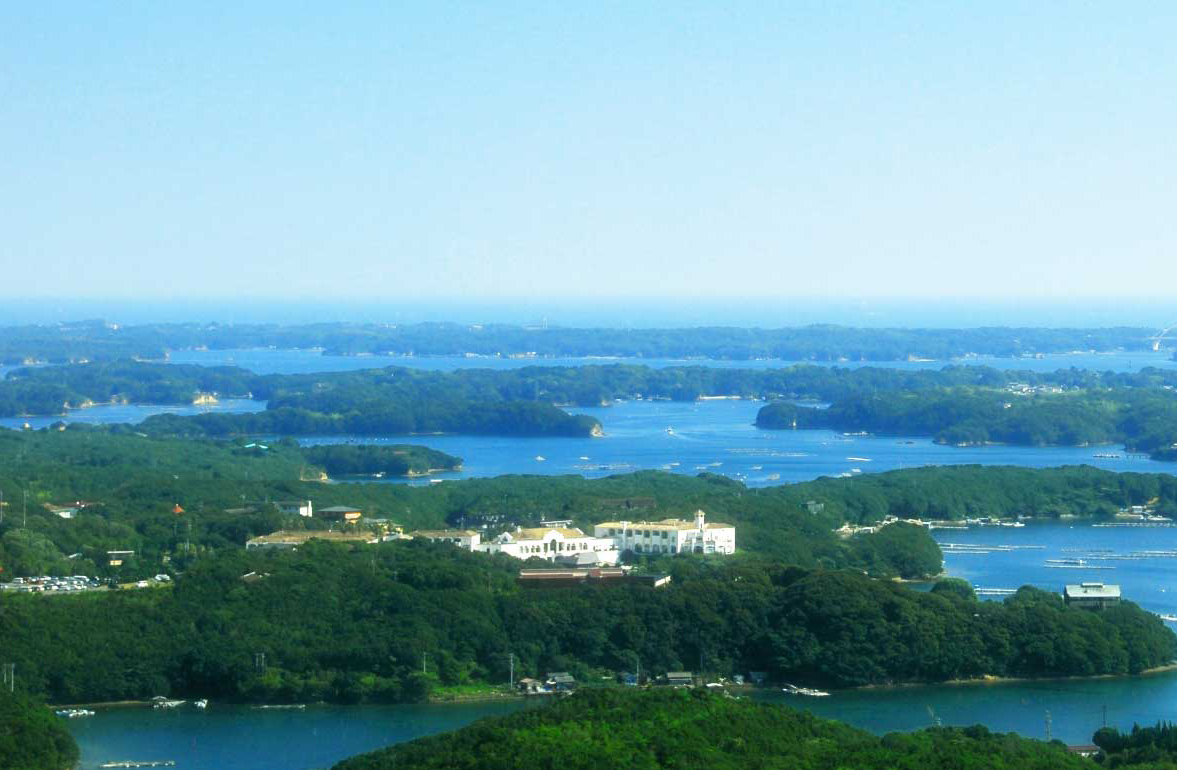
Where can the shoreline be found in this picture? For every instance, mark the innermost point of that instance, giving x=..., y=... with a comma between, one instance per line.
x=505, y=695
x=989, y=679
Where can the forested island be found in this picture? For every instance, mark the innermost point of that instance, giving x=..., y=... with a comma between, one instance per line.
x=957, y=405
x=350, y=624
x=1143, y=419
x=383, y=460
x=31, y=737
x=53, y=390
x=375, y=402
x=100, y=340
x=678, y=729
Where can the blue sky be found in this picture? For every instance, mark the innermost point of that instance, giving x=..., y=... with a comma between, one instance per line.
x=486, y=151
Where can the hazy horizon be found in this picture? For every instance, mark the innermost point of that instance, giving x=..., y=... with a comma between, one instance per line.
x=647, y=312
x=490, y=152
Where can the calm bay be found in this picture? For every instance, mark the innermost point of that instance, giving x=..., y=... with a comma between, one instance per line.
x=718, y=437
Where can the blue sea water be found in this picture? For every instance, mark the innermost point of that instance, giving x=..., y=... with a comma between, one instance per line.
x=716, y=436
x=227, y=737
x=287, y=361
x=720, y=437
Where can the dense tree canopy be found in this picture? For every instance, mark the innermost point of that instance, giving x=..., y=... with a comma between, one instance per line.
x=1145, y=419
x=227, y=489
x=31, y=737
x=678, y=729
x=383, y=460
x=349, y=624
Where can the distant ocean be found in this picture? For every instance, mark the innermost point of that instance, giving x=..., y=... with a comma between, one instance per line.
x=650, y=312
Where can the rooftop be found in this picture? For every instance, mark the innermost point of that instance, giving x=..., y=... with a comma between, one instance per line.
x=539, y=533
x=675, y=524
x=299, y=537
x=1093, y=591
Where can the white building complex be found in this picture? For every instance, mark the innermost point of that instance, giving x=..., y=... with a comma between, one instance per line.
x=567, y=545
x=670, y=535
x=559, y=541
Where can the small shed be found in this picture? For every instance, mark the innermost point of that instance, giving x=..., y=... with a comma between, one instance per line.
x=680, y=678
x=561, y=681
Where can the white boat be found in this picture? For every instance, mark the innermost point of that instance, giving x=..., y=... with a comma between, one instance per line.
x=670, y=430
x=168, y=704
x=584, y=457
x=792, y=689
x=859, y=459
x=201, y=704
x=540, y=458
x=74, y=713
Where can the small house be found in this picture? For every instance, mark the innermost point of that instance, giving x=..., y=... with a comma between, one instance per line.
x=467, y=539
x=680, y=678
x=343, y=513
x=529, y=686
x=561, y=681
x=296, y=507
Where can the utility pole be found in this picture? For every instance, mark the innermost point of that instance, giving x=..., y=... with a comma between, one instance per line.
x=259, y=662
x=25, y=509
x=511, y=663
x=1, y=506
x=424, y=663
x=9, y=679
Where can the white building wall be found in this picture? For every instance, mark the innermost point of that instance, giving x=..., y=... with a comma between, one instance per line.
x=554, y=546
x=659, y=538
